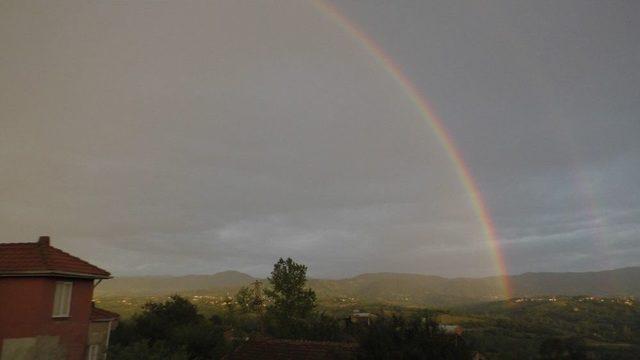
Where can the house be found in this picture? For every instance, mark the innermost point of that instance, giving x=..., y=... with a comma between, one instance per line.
x=282, y=349
x=358, y=317
x=46, y=308
x=452, y=329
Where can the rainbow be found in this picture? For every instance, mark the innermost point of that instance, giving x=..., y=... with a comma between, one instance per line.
x=427, y=112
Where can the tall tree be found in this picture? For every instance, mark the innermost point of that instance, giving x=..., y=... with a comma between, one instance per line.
x=289, y=297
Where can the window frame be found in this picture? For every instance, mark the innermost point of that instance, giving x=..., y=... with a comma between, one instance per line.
x=59, y=303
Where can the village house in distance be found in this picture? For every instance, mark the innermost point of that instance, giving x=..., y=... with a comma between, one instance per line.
x=46, y=307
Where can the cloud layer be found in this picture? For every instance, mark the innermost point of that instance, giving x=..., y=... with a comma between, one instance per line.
x=192, y=138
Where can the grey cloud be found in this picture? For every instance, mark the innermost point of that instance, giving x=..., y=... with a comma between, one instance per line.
x=193, y=138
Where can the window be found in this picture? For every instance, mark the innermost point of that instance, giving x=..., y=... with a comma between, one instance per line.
x=62, y=299
x=94, y=351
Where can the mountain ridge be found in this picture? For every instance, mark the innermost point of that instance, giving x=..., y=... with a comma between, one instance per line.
x=403, y=288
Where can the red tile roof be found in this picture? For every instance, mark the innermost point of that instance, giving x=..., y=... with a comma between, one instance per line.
x=40, y=258
x=98, y=314
x=272, y=349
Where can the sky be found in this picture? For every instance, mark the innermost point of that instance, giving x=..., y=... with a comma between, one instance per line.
x=172, y=138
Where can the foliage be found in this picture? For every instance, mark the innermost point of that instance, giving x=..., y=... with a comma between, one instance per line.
x=419, y=337
x=170, y=330
x=290, y=313
x=563, y=327
x=248, y=300
x=290, y=298
x=244, y=299
x=559, y=348
x=316, y=326
x=544, y=327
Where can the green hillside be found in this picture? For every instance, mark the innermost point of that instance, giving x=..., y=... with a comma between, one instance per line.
x=518, y=329
x=394, y=288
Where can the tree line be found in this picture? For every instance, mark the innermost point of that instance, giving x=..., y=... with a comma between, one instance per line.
x=175, y=330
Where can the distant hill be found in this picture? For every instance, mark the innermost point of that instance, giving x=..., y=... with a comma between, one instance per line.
x=410, y=289
x=395, y=288
x=160, y=285
x=624, y=281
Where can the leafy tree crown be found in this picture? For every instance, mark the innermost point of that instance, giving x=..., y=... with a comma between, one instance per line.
x=289, y=296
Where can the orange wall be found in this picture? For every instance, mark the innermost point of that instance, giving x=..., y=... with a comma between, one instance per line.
x=26, y=305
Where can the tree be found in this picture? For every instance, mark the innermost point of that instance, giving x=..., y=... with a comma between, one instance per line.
x=249, y=299
x=291, y=310
x=244, y=299
x=419, y=337
x=169, y=330
x=290, y=298
x=563, y=348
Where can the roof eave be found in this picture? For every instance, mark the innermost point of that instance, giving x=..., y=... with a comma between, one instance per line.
x=54, y=274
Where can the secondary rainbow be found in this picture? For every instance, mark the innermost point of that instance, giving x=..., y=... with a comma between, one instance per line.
x=436, y=124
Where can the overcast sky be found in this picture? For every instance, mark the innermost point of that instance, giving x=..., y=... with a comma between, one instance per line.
x=195, y=137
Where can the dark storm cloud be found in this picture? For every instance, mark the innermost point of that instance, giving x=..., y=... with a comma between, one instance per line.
x=192, y=138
